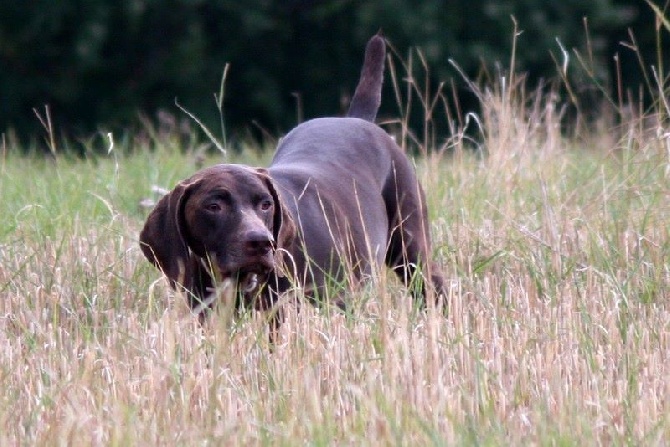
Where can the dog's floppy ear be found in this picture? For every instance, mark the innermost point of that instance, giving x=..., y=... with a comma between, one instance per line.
x=162, y=238
x=283, y=227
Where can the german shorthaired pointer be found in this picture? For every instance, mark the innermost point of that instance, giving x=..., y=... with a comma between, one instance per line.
x=339, y=200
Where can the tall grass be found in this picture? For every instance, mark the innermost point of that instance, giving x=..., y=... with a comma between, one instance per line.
x=558, y=330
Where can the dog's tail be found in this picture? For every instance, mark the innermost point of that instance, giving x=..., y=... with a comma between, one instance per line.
x=368, y=94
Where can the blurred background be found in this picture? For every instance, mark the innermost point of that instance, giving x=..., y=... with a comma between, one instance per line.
x=114, y=65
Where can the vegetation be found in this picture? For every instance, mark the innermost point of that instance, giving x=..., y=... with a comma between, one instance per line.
x=557, y=327
x=100, y=63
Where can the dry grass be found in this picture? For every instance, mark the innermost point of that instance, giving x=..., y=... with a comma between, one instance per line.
x=558, y=329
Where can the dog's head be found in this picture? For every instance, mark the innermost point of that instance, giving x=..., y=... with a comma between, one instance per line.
x=226, y=219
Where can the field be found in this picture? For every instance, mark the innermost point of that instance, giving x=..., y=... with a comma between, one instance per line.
x=557, y=329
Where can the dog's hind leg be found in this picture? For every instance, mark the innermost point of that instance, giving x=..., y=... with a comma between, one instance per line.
x=409, y=245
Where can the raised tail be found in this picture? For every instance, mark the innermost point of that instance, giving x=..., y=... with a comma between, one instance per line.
x=368, y=94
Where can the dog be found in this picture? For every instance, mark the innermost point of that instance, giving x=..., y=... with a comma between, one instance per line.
x=339, y=200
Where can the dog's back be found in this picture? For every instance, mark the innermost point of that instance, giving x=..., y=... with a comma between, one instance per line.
x=316, y=144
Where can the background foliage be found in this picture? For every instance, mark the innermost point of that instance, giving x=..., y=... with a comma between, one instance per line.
x=98, y=63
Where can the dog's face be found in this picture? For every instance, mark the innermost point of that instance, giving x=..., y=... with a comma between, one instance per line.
x=228, y=219
x=228, y=216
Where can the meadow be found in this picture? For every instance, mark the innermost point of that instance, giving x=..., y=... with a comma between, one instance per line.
x=556, y=331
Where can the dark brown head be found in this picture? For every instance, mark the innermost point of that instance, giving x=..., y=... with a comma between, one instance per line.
x=226, y=220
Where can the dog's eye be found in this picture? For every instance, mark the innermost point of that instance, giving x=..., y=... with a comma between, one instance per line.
x=266, y=205
x=213, y=207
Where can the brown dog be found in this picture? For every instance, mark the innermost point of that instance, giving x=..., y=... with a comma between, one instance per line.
x=339, y=199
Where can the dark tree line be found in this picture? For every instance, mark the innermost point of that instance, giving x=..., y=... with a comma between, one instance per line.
x=98, y=63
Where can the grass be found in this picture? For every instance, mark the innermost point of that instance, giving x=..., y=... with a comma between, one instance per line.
x=558, y=329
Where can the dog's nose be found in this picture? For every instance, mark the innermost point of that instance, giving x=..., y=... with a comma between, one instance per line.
x=258, y=242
